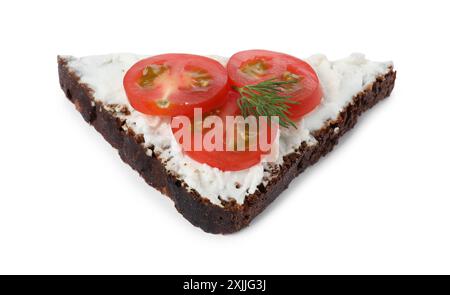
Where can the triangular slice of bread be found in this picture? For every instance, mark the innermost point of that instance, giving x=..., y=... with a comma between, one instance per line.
x=217, y=201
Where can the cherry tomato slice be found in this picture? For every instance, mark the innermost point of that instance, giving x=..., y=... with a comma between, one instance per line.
x=254, y=66
x=229, y=160
x=175, y=84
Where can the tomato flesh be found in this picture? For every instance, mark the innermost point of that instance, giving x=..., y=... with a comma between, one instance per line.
x=228, y=160
x=254, y=66
x=175, y=84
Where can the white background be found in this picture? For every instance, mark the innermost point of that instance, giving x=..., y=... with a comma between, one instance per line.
x=378, y=204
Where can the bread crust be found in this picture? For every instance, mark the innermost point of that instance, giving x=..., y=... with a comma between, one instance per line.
x=200, y=211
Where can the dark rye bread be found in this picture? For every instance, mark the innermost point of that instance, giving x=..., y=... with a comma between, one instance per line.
x=199, y=211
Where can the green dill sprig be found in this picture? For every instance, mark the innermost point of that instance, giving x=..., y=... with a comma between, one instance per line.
x=267, y=99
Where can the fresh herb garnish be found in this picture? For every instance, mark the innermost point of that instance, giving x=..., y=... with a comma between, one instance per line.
x=267, y=98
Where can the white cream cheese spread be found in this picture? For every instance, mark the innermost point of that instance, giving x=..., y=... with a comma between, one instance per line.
x=340, y=80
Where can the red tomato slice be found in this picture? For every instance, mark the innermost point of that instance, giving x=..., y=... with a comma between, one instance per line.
x=229, y=160
x=175, y=84
x=254, y=66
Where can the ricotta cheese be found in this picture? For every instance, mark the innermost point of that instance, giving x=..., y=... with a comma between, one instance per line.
x=341, y=80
